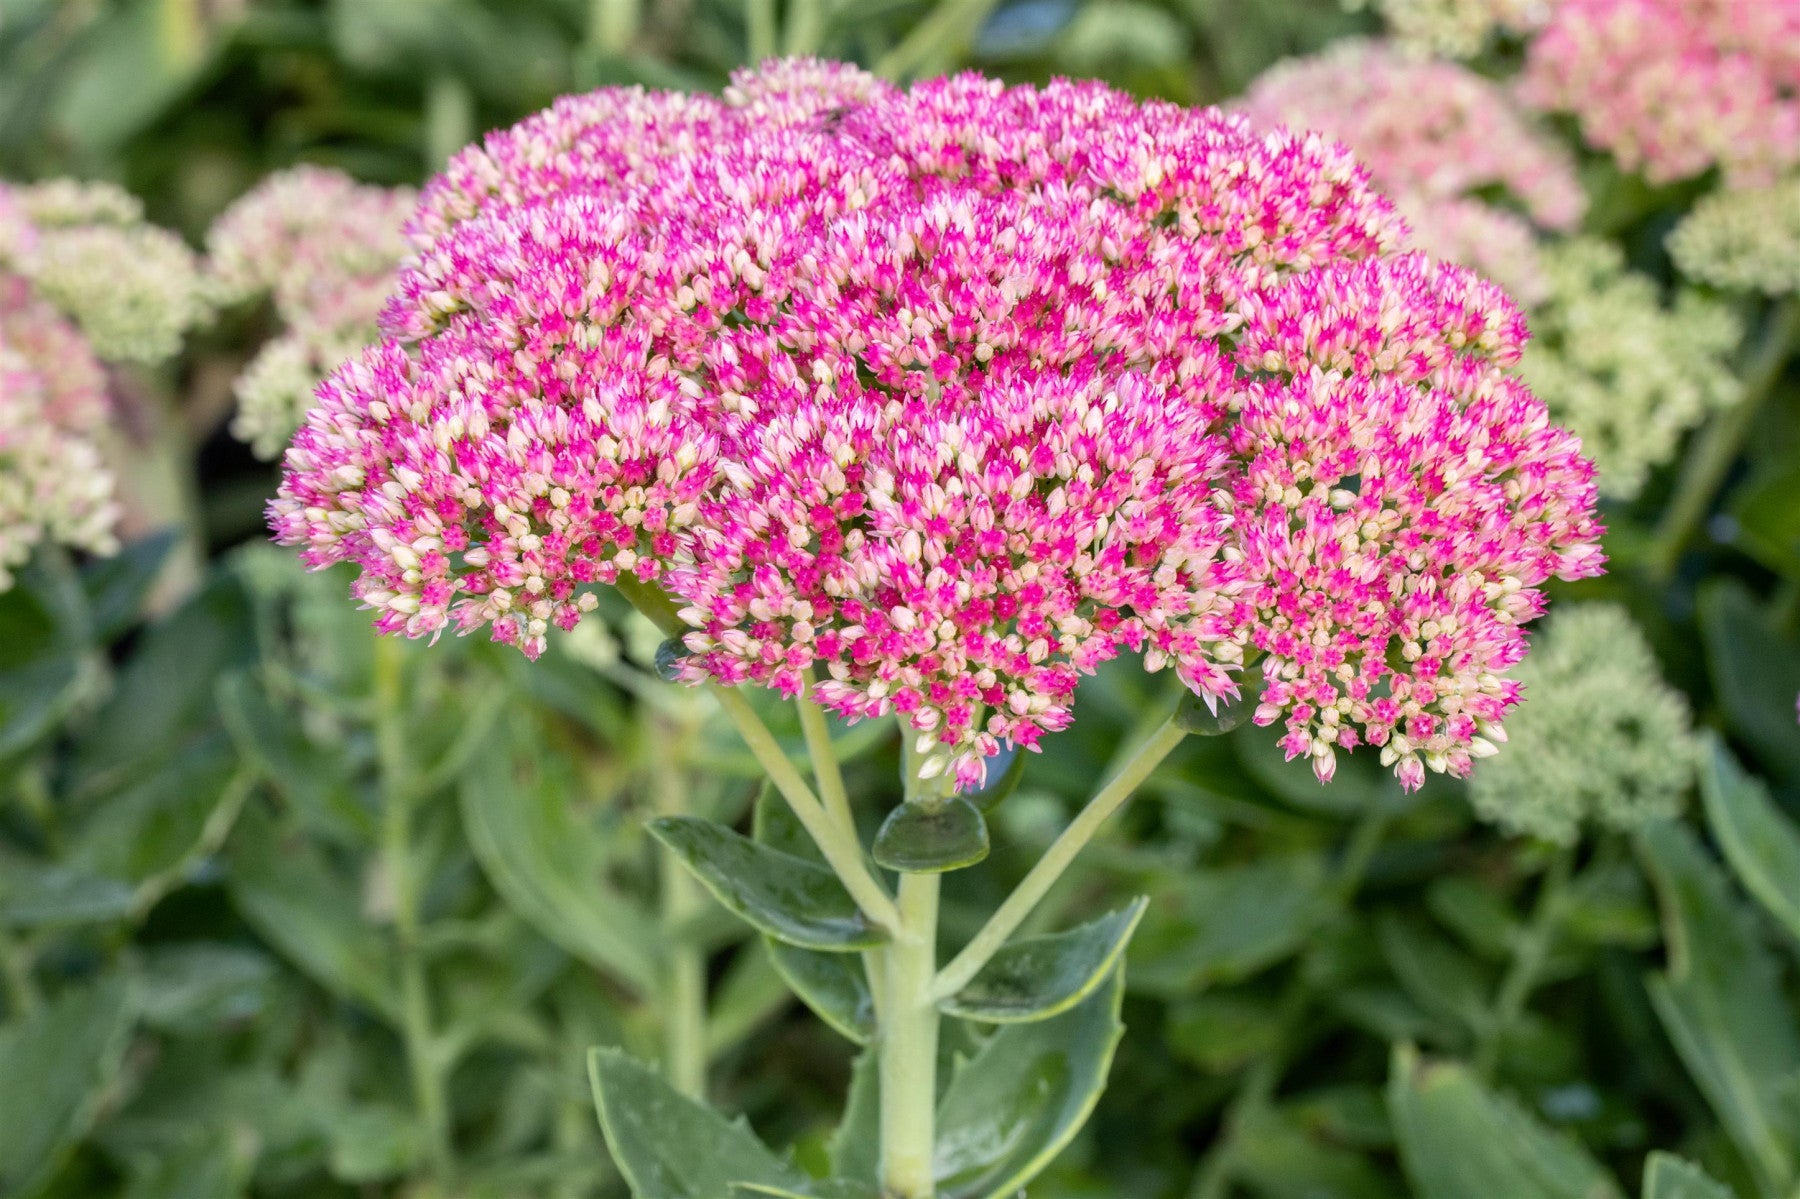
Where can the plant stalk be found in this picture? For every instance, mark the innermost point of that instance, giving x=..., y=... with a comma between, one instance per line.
x=1533, y=946
x=422, y=1055
x=684, y=1003
x=1717, y=447
x=909, y=1043
x=22, y=996
x=1037, y=882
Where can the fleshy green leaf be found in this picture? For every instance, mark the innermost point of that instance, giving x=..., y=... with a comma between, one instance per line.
x=833, y=985
x=1223, y=925
x=1035, y=978
x=1761, y=845
x=855, y=1147
x=116, y=586
x=917, y=839
x=47, y=895
x=196, y=986
x=1004, y=770
x=1458, y=1140
x=289, y=896
x=1013, y=1106
x=1273, y=1155
x=45, y=667
x=55, y=1064
x=786, y=897
x=1669, y=1177
x=671, y=1147
x=518, y=812
x=1722, y=1005
x=1755, y=666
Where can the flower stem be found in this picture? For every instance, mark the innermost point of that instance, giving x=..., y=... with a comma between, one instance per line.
x=422, y=1055
x=22, y=997
x=1718, y=446
x=684, y=1003
x=843, y=852
x=1037, y=882
x=1529, y=951
x=909, y=1037
x=824, y=759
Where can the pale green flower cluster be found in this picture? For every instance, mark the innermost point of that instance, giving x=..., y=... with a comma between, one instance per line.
x=1629, y=373
x=1747, y=239
x=1599, y=739
x=133, y=289
x=66, y=203
x=1454, y=28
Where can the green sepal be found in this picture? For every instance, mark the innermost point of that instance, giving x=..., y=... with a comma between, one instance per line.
x=1035, y=978
x=788, y=898
x=1017, y=1102
x=833, y=985
x=668, y=1146
x=1669, y=1177
x=1194, y=717
x=921, y=839
x=1458, y=1140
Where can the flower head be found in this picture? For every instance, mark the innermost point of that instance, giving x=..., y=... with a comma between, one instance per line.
x=1673, y=88
x=1599, y=739
x=939, y=397
x=1434, y=134
x=1746, y=239
x=325, y=249
x=1626, y=371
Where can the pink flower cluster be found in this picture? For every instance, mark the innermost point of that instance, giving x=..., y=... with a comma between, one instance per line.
x=1673, y=88
x=946, y=396
x=1434, y=134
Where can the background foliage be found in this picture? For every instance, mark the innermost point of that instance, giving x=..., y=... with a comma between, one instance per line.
x=257, y=873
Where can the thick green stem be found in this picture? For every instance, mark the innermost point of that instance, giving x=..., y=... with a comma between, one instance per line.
x=1529, y=952
x=843, y=852
x=805, y=27
x=759, y=29
x=1037, y=882
x=424, y=1061
x=1718, y=446
x=684, y=1003
x=909, y=1043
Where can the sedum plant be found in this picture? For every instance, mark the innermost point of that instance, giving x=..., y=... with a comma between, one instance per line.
x=921, y=404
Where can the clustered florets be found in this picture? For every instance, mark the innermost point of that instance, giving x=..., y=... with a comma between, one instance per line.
x=1439, y=139
x=1673, y=88
x=1603, y=739
x=1747, y=238
x=82, y=279
x=946, y=396
x=324, y=249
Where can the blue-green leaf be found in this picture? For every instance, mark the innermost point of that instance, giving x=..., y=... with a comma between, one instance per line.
x=1012, y=1107
x=55, y=1064
x=1722, y=1005
x=1761, y=845
x=788, y=898
x=921, y=839
x=518, y=811
x=833, y=985
x=1458, y=1140
x=671, y=1147
x=1035, y=978
x=1669, y=1177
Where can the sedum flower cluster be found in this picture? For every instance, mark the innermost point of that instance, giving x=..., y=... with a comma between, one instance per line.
x=1438, y=138
x=1629, y=373
x=1748, y=239
x=132, y=288
x=1601, y=739
x=1674, y=88
x=1456, y=28
x=324, y=249
x=943, y=397
x=82, y=279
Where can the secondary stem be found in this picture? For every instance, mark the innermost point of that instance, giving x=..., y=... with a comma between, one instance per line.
x=824, y=759
x=1718, y=446
x=1038, y=881
x=1529, y=952
x=909, y=1043
x=397, y=857
x=684, y=1004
